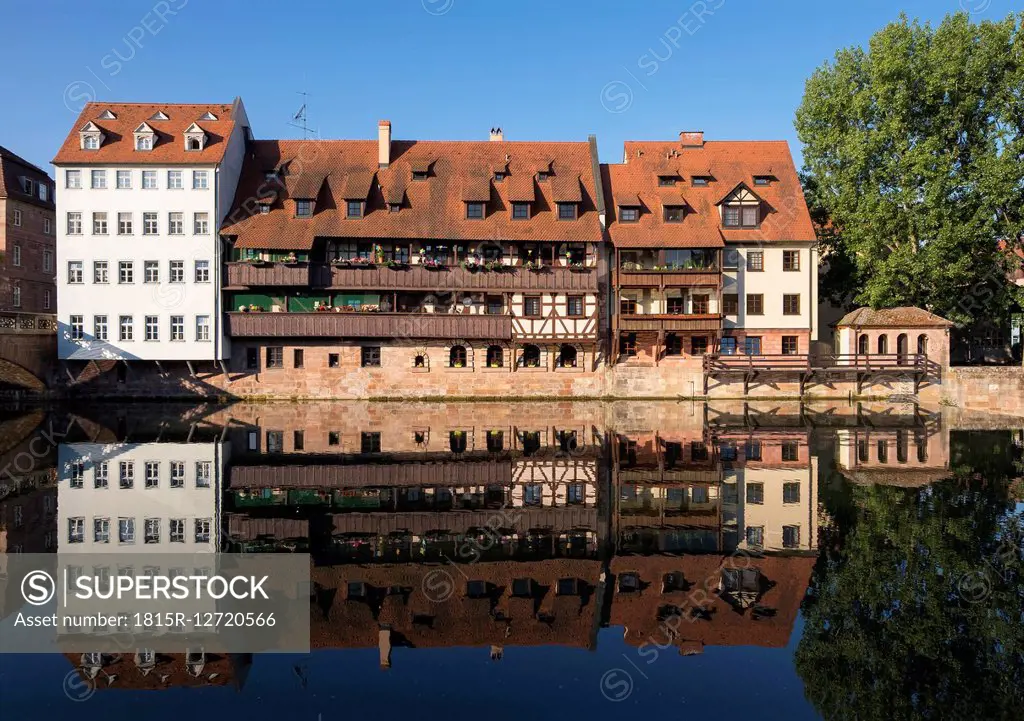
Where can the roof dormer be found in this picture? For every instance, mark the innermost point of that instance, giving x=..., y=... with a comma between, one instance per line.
x=106, y=115
x=207, y=116
x=195, y=137
x=91, y=136
x=159, y=115
x=145, y=137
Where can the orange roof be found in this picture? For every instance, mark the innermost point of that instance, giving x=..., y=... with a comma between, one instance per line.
x=904, y=317
x=430, y=208
x=169, y=147
x=728, y=164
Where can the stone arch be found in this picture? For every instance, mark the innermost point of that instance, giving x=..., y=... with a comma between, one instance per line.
x=531, y=355
x=13, y=374
x=420, y=359
x=497, y=355
x=448, y=352
x=569, y=355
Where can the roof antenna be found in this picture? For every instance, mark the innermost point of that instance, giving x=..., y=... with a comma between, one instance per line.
x=301, y=117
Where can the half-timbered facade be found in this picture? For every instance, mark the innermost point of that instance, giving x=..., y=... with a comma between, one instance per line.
x=411, y=256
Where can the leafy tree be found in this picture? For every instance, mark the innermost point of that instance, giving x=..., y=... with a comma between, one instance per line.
x=914, y=152
x=915, y=606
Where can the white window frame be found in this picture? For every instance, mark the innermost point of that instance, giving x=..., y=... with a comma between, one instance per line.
x=201, y=223
x=176, y=531
x=126, y=531
x=149, y=218
x=177, y=328
x=98, y=179
x=175, y=181
x=121, y=175
x=101, y=475
x=74, y=223
x=125, y=224
x=202, y=271
x=17, y=218
x=97, y=266
x=177, y=474
x=200, y=180
x=100, y=327
x=76, y=272
x=76, y=327
x=151, y=326
x=202, y=329
x=101, y=530
x=151, y=271
x=176, y=223
x=126, y=272
x=76, y=529
x=176, y=271
x=73, y=179
x=204, y=474
x=150, y=180
x=126, y=328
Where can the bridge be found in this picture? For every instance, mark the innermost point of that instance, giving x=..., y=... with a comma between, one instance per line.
x=28, y=350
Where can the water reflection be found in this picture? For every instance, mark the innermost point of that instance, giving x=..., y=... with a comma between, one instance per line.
x=683, y=526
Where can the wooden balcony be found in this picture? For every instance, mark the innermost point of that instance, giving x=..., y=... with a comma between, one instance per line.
x=251, y=275
x=369, y=325
x=411, y=278
x=670, y=278
x=710, y=322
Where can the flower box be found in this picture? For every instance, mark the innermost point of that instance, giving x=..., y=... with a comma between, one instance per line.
x=578, y=268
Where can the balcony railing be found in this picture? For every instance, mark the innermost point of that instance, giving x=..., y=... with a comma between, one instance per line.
x=369, y=325
x=670, y=323
x=27, y=323
x=413, y=277
x=642, y=278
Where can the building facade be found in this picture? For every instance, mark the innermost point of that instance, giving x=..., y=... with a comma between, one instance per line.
x=27, y=237
x=142, y=191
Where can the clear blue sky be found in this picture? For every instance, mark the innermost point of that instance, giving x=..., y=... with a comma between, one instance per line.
x=440, y=69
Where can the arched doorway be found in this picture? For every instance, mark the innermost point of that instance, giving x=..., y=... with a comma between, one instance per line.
x=922, y=344
x=901, y=348
x=883, y=344
x=862, y=344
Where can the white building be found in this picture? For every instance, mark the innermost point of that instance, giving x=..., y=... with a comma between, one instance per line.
x=141, y=192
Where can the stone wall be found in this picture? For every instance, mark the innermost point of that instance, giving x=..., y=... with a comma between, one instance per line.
x=993, y=389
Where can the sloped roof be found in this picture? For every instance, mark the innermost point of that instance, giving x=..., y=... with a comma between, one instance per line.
x=729, y=163
x=904, y=317
x=169, y=146
x=433, y=208
x=12, y=168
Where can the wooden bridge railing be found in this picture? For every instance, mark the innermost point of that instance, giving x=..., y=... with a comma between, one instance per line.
x=808, y=363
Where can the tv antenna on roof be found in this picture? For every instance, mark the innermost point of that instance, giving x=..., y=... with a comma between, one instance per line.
x=300, y=119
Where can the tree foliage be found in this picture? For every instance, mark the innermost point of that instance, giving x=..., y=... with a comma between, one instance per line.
x=914, y=152
x=915, y=606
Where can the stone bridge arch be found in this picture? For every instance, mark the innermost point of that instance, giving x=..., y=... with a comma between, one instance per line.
x=28, y=349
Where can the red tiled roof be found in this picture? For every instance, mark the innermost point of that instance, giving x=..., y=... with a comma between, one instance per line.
x=728, y=163
x=169, y=147
x=905, y=317
x=12, y=168
x=432, y=208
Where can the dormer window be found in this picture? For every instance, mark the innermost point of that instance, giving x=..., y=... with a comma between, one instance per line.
x=667, y=180
x=91, y=136
x=701, y=181
x=762, y=180
x=474, y=211
x=264, y=209
x=567, y=211
x=499, y=175
x=740, y=216
x=195, y=138
x=207, y=116
x=354, y=209
x=520, y=211
x=419, y=174
x=629, y=214
x=674, y=213
x=144, y=142
x=543, y=176
x=394, y=207
x=303, y=208
x=159, y=115
x=106, y=115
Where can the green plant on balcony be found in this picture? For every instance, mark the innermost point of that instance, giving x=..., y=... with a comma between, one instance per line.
x=579, y=267
x=260, y=262
x=361, y=262
x=290, y=259
x=431, y=263
x=536, y=266
x=472, y=264
x=495, y=266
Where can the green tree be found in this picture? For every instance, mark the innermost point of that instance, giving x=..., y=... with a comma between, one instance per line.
x=914, y=608
x=914, y=152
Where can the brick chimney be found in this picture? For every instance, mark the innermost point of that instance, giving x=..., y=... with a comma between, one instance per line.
x=496, y=135
x=384, y=143
x=692, y=138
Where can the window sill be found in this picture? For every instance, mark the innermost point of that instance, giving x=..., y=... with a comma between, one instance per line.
x=499, y=369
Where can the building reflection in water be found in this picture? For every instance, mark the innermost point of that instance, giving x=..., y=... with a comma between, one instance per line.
x=479, y=524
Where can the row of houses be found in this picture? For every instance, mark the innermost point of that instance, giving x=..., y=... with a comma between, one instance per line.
x=183, y=240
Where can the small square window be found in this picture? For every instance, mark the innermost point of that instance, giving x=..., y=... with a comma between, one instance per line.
x=674, y=214
x=790, y=450
x=420, y=175
x=543, y=176
x=370, y=356
x=698, y=345
x=334, y=360
x=730, y=303
x=354, y=209
x=791, y=260
x=303, y=208
x=755, y=260
x=522, y=588
x=629, y=215
x=574, y=306
x=728, y=345
x=791, y=304
x=520, y=211
x=701, y=181
x=333, y=438
x=667, y=180
x=474, y=211
x=531, y=306
x=275, y=357
x=790, y=345
x=791, y=492
x=567, y=211
x=369, y=442
x=755, y=494
x=755, y=304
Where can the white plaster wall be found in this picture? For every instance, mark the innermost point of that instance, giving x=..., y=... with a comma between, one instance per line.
x=773, y=282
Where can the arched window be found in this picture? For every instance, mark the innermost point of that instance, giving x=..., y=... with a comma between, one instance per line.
x=193, y=144
x=495, y=356
x=567, y=356
x=420, y=361
x=862, y=344
x=883, y=344
x=457, y=441
x=457, y=356
x=922, y=344
x=531, y=356
x=901, y=348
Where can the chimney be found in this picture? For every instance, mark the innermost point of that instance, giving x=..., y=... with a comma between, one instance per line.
x=692, y=138
x=496, y=135
x=384, y=143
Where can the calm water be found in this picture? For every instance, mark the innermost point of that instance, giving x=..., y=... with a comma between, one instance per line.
x=551, y=560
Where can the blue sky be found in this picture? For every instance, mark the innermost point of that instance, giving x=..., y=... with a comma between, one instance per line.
x=441, y=69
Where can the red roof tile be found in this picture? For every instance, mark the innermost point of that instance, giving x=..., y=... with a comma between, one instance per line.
x=905, y=317
x=169, y=146
x=728, y=163
x=433, y=208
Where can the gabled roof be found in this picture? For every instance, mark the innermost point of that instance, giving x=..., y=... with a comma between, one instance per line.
x=729, y=164
x=119, y=146
x=194, y=128
x=12, y=168
x=903, y=317
x=90, y=127
x=431, y=209
x=143, y=128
